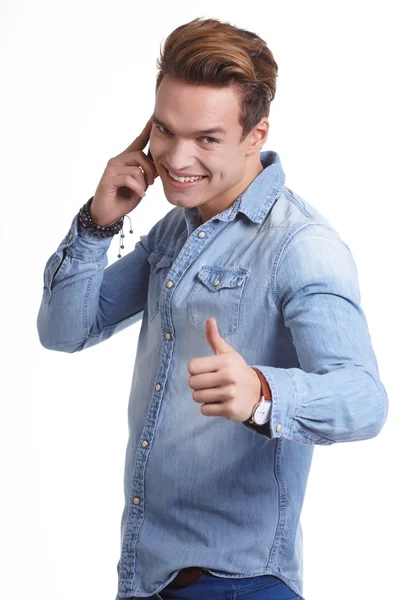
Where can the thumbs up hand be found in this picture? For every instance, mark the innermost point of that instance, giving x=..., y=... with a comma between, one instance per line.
x=224, y=383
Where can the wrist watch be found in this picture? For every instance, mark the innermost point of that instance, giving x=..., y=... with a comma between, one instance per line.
x=262, y=410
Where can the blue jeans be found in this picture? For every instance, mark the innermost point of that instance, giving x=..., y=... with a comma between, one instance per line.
x=207, y=586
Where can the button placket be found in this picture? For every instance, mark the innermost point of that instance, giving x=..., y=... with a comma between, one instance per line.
x=168, y=335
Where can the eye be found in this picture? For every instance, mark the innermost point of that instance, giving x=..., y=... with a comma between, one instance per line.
x=210, y=138
x=161, y=126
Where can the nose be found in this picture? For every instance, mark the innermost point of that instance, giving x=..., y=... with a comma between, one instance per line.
x=179, y=158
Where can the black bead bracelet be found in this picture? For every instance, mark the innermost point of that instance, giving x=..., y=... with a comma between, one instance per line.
x=84, y=220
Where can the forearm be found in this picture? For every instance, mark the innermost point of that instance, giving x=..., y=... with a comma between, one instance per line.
x=71, y=282
x=84, y=303
x=335, y=394
x=344, y=405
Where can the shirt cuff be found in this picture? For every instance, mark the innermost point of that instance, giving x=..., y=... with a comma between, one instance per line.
x=283, y=403
x=84, y=245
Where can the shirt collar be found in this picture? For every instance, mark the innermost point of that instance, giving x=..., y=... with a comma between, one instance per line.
x=257, y=198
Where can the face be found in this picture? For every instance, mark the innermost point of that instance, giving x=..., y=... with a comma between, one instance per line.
x=196, y=132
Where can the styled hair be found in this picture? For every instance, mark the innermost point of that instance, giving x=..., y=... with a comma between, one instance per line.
x=214, y=53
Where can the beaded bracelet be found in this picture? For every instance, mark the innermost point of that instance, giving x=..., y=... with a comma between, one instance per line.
x=84, y=219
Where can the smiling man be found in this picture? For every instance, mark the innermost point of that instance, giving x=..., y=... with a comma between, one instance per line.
x=253, y=345
x=214, y=152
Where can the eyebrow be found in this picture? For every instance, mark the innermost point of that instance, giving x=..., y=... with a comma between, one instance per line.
x=157, y=121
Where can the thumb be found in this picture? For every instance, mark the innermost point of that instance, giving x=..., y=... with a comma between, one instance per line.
x=214, y=338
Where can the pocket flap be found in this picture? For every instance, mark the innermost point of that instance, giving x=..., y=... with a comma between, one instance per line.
x=216, y=278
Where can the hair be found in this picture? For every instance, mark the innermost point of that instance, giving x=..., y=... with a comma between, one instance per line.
x=217, y=54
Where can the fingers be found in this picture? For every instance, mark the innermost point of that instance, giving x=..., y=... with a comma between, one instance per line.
x=126, y=180
x=135, y=172
x=208, y=380
x=135, y=158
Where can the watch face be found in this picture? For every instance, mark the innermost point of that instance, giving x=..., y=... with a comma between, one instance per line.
x=262, y=412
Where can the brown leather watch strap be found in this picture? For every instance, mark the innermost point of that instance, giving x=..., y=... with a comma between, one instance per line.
x=266, y=390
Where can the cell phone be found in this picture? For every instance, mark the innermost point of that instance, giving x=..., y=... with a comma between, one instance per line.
x=150, y=155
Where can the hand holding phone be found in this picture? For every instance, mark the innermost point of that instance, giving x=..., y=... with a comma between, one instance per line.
x=124, y=181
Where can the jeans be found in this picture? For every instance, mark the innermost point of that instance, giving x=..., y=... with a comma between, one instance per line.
x=207, y=586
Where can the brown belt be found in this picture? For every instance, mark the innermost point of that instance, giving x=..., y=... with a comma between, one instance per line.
x=186, y=576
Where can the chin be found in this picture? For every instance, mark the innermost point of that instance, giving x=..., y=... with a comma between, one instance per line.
x=176, y=201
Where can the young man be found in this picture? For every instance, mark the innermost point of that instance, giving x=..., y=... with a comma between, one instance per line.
x=253, y=345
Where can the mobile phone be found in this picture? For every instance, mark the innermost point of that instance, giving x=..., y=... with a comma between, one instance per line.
x=150, y=155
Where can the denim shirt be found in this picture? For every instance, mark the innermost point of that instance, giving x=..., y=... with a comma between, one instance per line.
x=208, y=491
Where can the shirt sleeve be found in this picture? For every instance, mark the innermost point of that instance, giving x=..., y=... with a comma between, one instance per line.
x=336, y=394
x=84, y=303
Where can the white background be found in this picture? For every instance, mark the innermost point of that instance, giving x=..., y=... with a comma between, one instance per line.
x=78, y=83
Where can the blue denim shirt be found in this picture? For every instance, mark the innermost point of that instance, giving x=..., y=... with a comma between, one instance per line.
x=283, y=287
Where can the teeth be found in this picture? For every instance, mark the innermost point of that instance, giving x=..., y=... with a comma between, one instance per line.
x=183, y=179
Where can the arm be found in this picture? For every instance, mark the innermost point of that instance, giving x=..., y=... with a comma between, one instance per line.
x=83, y=302
x=336, y=395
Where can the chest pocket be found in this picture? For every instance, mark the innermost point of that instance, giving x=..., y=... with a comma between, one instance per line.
x=217, y=293
x=159, y=265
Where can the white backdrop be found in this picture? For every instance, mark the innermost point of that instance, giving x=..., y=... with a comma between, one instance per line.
x=78, y=83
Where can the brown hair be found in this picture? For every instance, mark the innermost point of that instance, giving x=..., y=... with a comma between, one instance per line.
x=214, y=53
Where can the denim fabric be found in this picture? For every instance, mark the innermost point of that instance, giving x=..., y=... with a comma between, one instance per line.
x=210, y=587
x=283, y=287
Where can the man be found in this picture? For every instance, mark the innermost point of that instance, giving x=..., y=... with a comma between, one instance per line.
x=253, y=345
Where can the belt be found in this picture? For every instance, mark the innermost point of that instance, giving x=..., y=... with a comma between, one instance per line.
x=186, y=576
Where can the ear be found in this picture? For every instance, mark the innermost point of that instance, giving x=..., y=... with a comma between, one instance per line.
x=258, y=136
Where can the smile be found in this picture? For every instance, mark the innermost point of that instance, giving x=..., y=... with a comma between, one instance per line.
x=184, y=182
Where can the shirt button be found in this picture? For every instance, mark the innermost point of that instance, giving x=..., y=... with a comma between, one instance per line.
x=278, y=427
x=144, y=444
x=201, y=234
x=168, y=336
x=170, y=284
x=136, y=500
x=158, y=387
x=217, y=282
